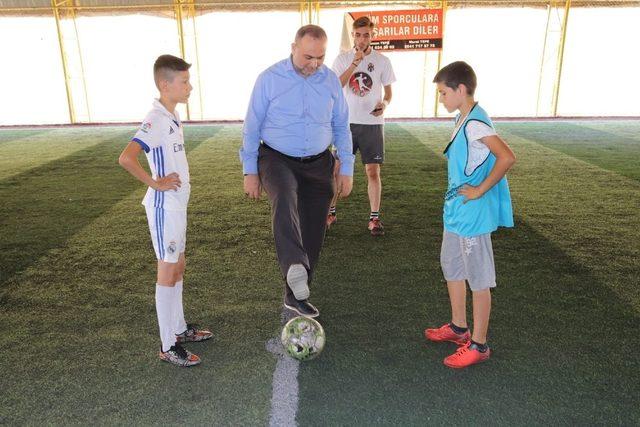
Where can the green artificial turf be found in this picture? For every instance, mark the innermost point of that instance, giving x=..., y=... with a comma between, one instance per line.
x=79, y=334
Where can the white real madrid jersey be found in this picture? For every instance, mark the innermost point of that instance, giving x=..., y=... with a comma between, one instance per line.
x=364, y=88
x=162, y=140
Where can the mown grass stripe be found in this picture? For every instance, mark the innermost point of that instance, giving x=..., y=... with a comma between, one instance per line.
x=610, y=148
x=44, y=206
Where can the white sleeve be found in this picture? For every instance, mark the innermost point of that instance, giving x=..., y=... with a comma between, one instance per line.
x=388, y=76
x=339, y=66
x=477, y=130
x=478, y=152
x=149, y=135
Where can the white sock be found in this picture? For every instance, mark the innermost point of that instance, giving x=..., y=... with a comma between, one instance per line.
x=165, y=306
x=179, y=322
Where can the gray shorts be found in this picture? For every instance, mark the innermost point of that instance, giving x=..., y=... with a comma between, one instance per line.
x=468, y=258
x=369, y=139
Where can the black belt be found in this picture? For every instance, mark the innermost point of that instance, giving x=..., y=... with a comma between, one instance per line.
x=305, y=159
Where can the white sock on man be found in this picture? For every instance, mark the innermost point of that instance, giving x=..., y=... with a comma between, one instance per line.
x=179, y=322
x=165, y=308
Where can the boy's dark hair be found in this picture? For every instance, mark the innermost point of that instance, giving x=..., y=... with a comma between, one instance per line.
x=310, y=30
x=363, y=21
x=166, y=66
x=457, y=73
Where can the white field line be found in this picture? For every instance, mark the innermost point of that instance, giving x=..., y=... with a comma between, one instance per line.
x=284, y=396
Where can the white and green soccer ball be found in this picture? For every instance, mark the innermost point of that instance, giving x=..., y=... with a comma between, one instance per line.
x=303, y=338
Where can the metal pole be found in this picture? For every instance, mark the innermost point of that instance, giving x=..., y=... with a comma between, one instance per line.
x=444, y=14
x=544, y=50
x=178, y=12
x=561, y=57
x=192, y=11
x=302, y=7
x=56, y=14
x=84, y=80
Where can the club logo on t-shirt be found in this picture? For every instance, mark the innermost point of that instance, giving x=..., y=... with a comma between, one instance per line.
x=360, y=83
x=370, y=67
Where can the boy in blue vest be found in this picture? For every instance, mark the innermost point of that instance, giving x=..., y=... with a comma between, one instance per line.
x=476, y=203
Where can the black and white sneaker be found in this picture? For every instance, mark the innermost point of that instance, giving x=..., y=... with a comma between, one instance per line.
x=177, y=355
x=302, y=307
x=193, y=334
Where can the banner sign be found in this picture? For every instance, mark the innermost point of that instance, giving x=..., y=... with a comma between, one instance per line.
x=419, y=29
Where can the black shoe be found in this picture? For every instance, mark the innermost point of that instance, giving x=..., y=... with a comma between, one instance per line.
x=302, y=307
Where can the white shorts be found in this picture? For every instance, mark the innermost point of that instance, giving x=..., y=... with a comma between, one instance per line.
x=468, y=258
x=168, y=232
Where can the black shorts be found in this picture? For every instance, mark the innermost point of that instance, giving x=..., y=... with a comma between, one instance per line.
x=369, y=139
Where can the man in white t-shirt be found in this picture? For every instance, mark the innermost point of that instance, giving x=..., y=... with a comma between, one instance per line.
x=364, y=73
x=160, y=136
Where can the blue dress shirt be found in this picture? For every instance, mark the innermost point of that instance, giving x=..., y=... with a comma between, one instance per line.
x=297, y=116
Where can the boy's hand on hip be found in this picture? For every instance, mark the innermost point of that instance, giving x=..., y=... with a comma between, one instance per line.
x=169, y=182
x=470, y=192
x=345, y=184
x=252, y=187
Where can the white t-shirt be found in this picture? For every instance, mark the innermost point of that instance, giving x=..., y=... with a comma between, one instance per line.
x=365, y=86
x=162, y=139
x=478, y=152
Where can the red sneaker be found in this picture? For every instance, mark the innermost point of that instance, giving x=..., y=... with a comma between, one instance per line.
x=445, y=333
x=331, y=219
x=466, y=355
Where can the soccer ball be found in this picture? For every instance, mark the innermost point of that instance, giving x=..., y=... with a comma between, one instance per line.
x=302, y=338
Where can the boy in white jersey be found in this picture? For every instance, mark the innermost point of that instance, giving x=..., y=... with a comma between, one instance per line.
x=162, y=139
x=364, y=73
x=476, y=203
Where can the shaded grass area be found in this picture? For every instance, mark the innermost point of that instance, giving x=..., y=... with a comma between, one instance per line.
x=610, y=146
x=81, y=317
x=591, y=213
x=46, y=205
x=562, y=339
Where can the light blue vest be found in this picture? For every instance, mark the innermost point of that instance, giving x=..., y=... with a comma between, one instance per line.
x=490, y=211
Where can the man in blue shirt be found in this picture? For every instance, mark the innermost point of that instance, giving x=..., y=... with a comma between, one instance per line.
x=297, y=110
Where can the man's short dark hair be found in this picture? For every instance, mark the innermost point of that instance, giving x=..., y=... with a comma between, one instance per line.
x=363, y=21
x=457, y=73
x=166, y=66
x=311, y=30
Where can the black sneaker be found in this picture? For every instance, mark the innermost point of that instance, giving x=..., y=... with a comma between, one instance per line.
x=302, y=307
x=177, y=355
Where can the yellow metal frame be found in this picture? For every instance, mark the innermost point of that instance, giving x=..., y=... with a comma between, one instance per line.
x=544, y=51
x=307, y=10
x=177, y=4
x=65, y=68
x=444, y=20
x=563, y=38
x=68, y=7
x=192, y=14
